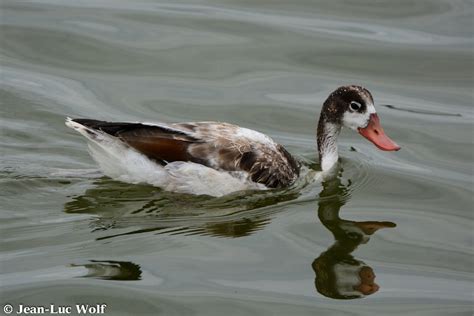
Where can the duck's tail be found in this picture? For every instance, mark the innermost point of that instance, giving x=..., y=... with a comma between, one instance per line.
x=115, y=158
x=88, y=132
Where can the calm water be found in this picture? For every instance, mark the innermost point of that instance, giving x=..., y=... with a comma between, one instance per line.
x=70, y=235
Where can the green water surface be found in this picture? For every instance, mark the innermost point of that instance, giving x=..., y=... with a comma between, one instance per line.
x=69, y=235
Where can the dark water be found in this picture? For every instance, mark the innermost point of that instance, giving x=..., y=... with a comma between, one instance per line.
x=69, y=235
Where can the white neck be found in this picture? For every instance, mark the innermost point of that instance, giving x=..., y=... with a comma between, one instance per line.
x=328, y=147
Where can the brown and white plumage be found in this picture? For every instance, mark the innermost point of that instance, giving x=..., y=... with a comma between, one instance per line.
x=241, y=153
x=219, y=158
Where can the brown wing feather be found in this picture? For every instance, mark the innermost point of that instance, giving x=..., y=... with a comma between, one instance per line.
x=157, y=148
x=156, y=142
x=165, y=146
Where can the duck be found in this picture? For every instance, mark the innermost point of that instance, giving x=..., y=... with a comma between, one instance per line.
x=218, y=158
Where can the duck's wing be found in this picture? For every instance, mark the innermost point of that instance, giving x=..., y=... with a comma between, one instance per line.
x=221, y=146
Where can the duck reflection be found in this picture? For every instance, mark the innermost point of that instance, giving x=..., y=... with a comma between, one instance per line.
x=134, y=209
x=111, y=270
x=338, y=274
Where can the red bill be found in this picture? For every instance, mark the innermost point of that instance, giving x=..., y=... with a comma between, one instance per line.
x=374, y=132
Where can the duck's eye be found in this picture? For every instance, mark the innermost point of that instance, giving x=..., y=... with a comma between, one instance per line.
x=355, y=106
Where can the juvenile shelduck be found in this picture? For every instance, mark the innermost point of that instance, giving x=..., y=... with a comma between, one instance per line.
x=217, y=158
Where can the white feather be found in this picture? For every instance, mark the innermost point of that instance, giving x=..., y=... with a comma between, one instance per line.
x=330, y=157
x=254, y=136
x=193, y=178
x=370, y=108
x=354, y=120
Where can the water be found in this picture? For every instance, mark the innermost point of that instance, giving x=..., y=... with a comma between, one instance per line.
x=70, y=235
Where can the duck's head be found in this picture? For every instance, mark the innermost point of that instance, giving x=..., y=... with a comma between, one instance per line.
x=353, y=107
x=342, y=276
